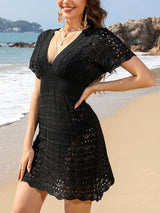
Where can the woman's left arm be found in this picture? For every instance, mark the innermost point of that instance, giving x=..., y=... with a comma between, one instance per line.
x=141, y=77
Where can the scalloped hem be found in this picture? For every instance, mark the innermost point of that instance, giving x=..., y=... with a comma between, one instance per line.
x=72, y=197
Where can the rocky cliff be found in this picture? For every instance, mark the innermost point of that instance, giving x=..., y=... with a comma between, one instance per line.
x=140, y=35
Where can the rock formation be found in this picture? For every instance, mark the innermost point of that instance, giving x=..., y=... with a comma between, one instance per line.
x=140, y=35
x=21, y=44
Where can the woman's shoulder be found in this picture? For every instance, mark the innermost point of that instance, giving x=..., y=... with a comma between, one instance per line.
x=108, y=38
x=44, y=33
x=103, y=32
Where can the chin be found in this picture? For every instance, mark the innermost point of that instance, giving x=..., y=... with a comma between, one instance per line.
x=69, y=16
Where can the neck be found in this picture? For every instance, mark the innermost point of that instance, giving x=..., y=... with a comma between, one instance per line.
x=73, y=24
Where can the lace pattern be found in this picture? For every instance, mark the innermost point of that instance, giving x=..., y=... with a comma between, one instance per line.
x=34, y=65
x=72, y=166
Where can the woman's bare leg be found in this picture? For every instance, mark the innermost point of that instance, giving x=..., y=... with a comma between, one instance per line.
x=28, y=199
x=77, y=206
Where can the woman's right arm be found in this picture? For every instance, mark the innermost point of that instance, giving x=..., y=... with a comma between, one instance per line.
x=28, y=152
x=33, y=115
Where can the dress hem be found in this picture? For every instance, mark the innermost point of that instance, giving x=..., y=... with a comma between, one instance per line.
x=69, y=198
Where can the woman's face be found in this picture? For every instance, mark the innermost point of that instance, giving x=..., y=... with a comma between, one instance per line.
x=71, y=8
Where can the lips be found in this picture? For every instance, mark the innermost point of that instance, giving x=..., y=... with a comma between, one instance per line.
x=68, y=8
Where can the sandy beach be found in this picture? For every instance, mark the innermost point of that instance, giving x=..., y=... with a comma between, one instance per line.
x=132, y=139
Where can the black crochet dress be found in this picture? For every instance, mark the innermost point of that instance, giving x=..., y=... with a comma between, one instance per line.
x=71, y=160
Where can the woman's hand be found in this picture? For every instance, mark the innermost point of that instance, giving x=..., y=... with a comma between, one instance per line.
x=27, y=157
x=86, y=93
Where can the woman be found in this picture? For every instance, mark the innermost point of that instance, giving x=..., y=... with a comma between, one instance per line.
x=68, y=158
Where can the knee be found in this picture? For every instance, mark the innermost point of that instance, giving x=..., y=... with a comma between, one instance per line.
x=78, y=206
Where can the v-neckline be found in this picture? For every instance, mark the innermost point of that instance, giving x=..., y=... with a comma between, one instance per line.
x=64, y=49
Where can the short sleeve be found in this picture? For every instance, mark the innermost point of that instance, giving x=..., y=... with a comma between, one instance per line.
x=116, y=51
x=32, y=62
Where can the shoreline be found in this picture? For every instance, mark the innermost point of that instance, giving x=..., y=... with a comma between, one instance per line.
x=132, y=139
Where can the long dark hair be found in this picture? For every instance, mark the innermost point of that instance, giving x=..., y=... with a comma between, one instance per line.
x=96, y=16
x=95, y=13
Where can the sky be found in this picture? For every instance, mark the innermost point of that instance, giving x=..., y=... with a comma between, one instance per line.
x=45, y=12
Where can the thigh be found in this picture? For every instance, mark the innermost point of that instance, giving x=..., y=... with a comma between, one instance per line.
x=28, y=199
x=78, y=206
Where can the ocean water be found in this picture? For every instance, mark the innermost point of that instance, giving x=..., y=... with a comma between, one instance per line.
x=17, y=80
